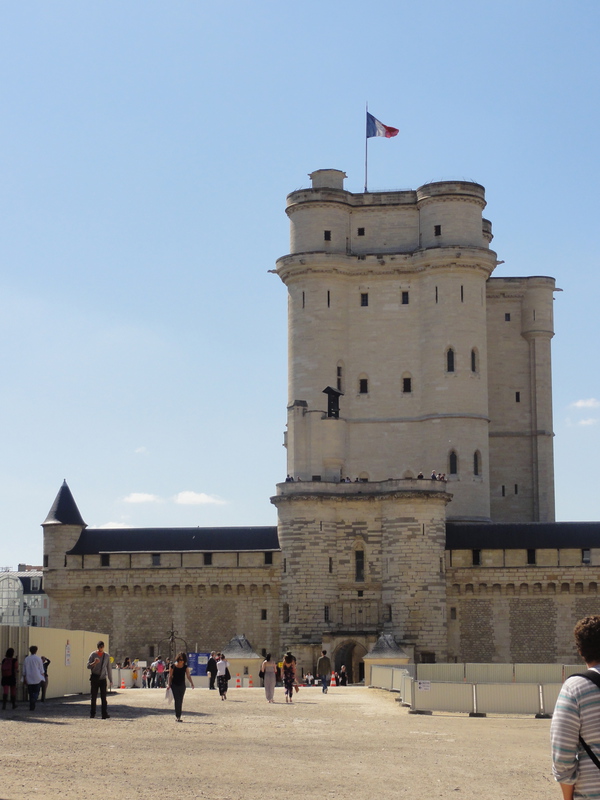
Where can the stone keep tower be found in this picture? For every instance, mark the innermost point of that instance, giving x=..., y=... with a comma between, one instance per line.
x=390, y=374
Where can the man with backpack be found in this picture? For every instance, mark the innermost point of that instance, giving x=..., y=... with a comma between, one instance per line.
x=575, y=727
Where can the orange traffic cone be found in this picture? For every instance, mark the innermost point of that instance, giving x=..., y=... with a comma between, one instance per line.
x=122, y=683
x=333, y=683
x=250, y=684
x=238, y=681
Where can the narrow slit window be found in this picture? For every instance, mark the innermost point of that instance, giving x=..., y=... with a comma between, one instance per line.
x=263, y=613
x=517, y=397
x=462, y=294
x=473, y=361
x=359, y=565
x=450, y=360
x=407, y=385
x=453, y=463
x=503, y=491
x=476, y=464
x=476, y=558
x=436, y=294
x=516, y=488
x=303, y=300
x=326, y=613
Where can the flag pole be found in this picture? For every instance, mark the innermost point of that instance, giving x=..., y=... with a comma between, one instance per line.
x=366, y=141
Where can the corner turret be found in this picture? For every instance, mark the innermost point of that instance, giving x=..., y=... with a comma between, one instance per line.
x=62, y=528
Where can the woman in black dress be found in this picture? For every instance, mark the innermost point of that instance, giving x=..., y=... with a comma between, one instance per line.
x=178, y=672
x=10, y=669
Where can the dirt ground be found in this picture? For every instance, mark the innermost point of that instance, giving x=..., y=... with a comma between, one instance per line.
x=352, y=742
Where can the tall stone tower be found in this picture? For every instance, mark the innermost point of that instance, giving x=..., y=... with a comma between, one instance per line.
x=389, y=377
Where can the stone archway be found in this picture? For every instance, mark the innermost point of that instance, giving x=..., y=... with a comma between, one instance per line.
x=350, y=654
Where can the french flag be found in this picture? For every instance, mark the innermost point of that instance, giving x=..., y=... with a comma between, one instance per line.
x=376, y=128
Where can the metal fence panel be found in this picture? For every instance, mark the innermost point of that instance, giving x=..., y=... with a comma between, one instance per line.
x=441, y=672
x=507, y=698
x=572, y=669
x=550, y=693
x=381, y=677
x=397, y=674
x=428, y=696
x=538, y=673
x=489, y=673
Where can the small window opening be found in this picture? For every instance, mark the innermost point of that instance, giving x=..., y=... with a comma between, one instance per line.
x=339, y=378
x=327, y=236
x=531, y=556
x=453, y=463
x=330, y=565
x=364, y=299
x=363, y=386
x=303, y=300
x=328, y=299
x=360, y=593
x=476, y=466
x=407, y=385
x=285, y=564
x=503, y=491
x=517, y=397
x=450, y=360
x=268, y=558
x=359, y=565
x=507, y=318
x=286, y=612
x=404, y=298
x=476, y=556
x=473, y=361
x=388, y=613
x=360, y=232
x=437, y=230
x=462, y=294
x=105, y=560
x=263, y=613
x=516, y=488
x=208, y=559
x=326, y=613
x=586, y=556
x=156, y=559
x=453, y=613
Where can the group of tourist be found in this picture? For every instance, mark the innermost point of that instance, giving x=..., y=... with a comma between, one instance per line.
x=35, y=677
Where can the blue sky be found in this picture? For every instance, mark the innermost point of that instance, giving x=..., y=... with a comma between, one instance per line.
x=145, y=154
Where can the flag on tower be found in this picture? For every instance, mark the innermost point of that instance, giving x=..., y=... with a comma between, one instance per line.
x=376, y=128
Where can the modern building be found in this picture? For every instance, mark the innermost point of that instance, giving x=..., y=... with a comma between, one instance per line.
x=23, y=601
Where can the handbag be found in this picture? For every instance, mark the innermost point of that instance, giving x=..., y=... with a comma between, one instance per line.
x=261, y=674
x=227, y=674
x=169, y=695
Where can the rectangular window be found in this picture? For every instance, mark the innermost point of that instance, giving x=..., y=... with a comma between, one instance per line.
x=359, y=565
x=504, y=491
x=517, y=397
x=208, y=559
x=404, y=298
x=476, y=558
x=156, y=559
x=268, y=558
x=330, y=565
x=507, y=318
x=285, y=564
x=105, y=560
x=361, y=232
x=326, y=613
x=45, y=562
x=516, y=488
x=437, y=229
x=364, y=299
x=388, y=613
x=407, y=385
x=586, y=556
x=453, y=613
x=363, y=386
x=531, y=557
x=263, y=613
x=360, y=593
x=327, y=236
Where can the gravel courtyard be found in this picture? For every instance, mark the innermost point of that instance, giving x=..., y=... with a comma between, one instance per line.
x=352, y=742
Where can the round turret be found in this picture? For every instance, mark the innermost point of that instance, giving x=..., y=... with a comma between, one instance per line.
x=450, y=214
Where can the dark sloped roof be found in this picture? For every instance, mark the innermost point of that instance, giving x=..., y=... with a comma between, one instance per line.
x=64, y=510
x=178, y=540
x=521, y=535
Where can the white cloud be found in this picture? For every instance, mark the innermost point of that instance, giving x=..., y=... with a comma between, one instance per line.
x=591, y=403
x=142, y=450
x=197, y=499
x=588, y=422
x=115, y=525
x=141, y=497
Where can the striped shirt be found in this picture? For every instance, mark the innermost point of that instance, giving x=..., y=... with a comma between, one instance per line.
x=577, y=711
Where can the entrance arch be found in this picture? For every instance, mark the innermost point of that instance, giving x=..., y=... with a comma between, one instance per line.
x=350, y=654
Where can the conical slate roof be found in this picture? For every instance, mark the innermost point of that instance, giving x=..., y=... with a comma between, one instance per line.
x=64, y=510
x=239, y=647
x=386, y=647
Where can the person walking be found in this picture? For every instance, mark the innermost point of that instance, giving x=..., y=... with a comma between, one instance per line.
x=211, y=669
x=269, y=670
x=33, y=675
x=289, y=676
x=100, y=674
x=223, y=676
x=178, y=672
x=10, y=670
x=324, y=670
